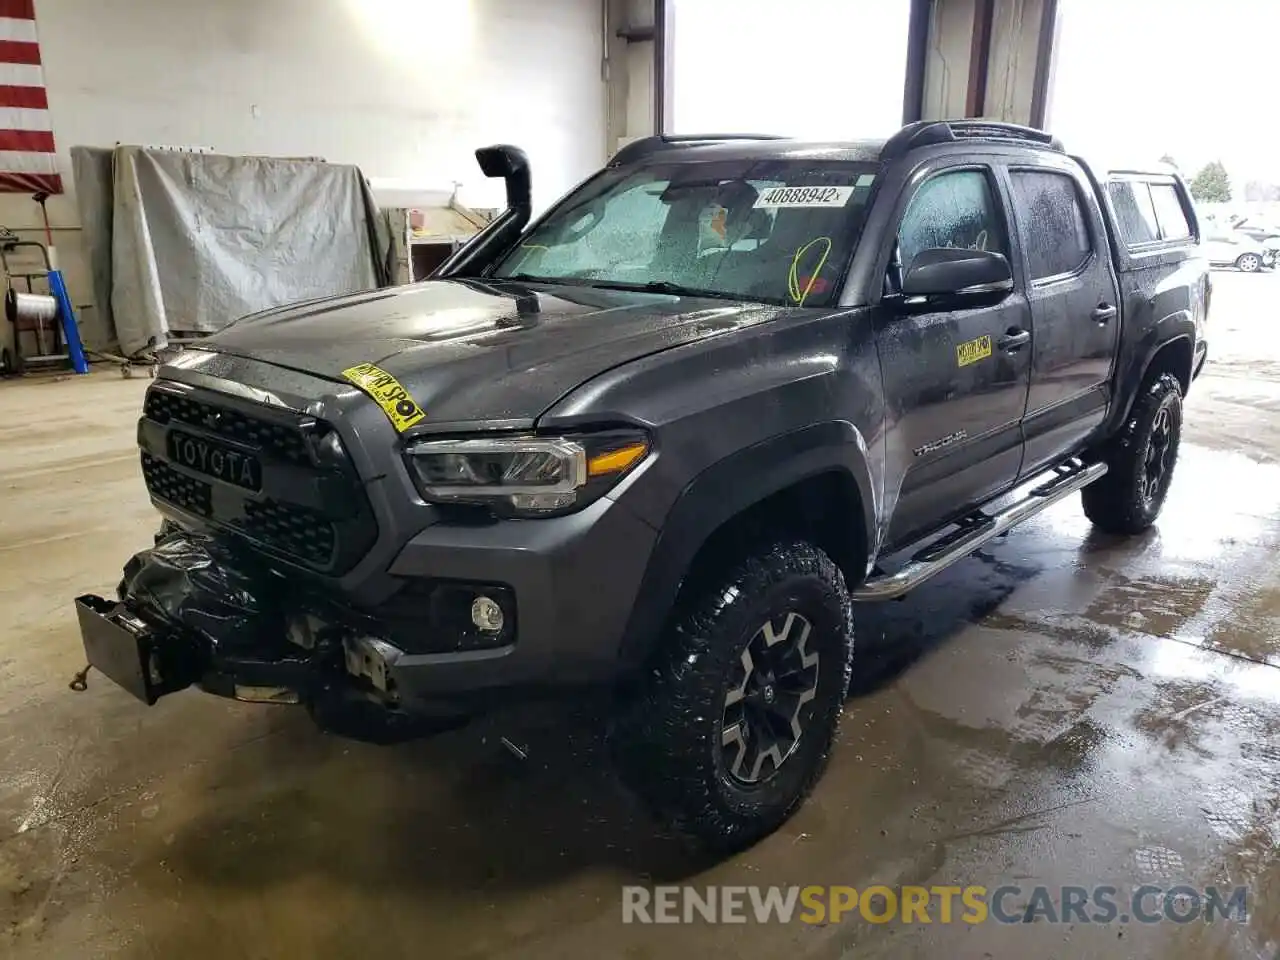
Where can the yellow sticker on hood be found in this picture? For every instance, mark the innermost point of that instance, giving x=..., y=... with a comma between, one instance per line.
x=401, y=409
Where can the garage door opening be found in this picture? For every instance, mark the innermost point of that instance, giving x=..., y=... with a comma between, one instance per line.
x=1213, y=74
x=1205, y=121
x=817, y=69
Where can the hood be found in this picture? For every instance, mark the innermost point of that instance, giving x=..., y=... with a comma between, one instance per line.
x=472, y=350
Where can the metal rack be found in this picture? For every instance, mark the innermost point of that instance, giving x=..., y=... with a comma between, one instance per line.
x=30, y=312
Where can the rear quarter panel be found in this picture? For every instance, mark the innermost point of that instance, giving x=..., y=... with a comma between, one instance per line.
x=1162, y=302
x=1164, y=295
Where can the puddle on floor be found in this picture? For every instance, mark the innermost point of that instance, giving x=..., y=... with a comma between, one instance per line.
x=1253, y=629
x=1157, y=606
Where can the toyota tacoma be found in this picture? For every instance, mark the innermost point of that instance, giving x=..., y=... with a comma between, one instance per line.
x=664, y=440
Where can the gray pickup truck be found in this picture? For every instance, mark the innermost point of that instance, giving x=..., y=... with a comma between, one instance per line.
x=665, y=440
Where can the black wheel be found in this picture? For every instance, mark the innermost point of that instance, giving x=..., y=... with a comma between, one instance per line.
x=1140, y=461
x=732, y=724
x=1249, y=262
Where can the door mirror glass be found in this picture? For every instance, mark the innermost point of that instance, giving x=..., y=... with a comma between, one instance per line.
x=952, y=248
x=948, y=271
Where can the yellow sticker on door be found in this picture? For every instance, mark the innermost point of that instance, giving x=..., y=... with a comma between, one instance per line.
x=971, y=351
x=401, y=409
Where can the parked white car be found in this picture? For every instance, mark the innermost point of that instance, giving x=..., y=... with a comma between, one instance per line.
x=1232, y=248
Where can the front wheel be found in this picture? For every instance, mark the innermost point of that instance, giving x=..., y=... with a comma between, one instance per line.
x=1140, y=462
x=731, y=726
x=1249, y=262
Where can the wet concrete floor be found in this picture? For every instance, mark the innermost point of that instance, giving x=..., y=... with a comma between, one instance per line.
x=1063, y=708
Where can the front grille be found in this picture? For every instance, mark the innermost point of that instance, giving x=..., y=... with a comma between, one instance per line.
x=298, y=531
x=309, y=509
x=274, y=438
x=182, y=491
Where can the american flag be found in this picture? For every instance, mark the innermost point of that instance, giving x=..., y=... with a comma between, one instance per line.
x=28, y=162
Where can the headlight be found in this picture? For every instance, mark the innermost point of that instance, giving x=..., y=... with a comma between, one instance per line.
x=528, y=476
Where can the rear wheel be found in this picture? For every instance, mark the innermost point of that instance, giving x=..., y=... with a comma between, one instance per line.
x=1249, y=262
x=731, y=727
x=1140, y=462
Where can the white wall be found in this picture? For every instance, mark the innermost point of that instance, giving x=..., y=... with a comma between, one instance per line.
x=1011, y=61
x=946, y=70
x=1015, y=41
x=639, y=71
x=404, y=88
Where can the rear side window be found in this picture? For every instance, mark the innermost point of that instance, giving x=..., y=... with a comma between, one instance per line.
x=1056, y=235
x=1173, y=218
x=1135, y=212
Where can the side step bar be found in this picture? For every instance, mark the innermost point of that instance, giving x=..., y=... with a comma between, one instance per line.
x=976, y=531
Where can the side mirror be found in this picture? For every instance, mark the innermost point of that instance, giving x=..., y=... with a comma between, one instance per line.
x=948, y=271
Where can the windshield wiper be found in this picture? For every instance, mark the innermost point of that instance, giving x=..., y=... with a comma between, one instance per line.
x=530, y=278
x=664, y=286
x=651, y=286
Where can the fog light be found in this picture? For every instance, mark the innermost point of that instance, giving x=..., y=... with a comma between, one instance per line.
x=486, y=614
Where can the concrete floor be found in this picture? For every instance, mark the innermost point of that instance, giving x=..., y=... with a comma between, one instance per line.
x=1064, y=708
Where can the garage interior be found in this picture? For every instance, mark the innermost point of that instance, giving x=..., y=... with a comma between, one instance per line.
x=1061, y=708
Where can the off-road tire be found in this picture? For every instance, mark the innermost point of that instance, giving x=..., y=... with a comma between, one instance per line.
x=1118, y=503
x=667, y=737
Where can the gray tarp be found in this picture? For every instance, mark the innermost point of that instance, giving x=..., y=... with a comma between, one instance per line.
x=187, y=242
x=91, y=167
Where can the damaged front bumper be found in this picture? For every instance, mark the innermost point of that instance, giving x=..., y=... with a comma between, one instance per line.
x=150, y=661
x=197, y=611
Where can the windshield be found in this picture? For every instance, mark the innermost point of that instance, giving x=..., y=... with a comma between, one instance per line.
x=778, y=231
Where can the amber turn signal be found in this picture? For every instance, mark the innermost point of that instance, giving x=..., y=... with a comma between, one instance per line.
x=615, y=461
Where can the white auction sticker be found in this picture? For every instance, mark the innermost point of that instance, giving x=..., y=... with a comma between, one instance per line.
x=803, y=197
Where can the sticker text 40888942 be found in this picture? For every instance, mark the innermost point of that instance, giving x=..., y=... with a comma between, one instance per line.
x=401, y=409
x=775, y=197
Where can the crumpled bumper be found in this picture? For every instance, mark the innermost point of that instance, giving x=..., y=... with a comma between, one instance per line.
x=194, y=610
x=151, y=661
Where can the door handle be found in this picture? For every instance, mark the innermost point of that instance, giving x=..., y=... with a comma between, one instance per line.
x=1015, y=339
x=1103, y=312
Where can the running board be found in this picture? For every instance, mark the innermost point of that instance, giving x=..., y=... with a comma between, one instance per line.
x=977, y=530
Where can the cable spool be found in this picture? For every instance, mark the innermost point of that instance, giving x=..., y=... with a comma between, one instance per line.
x=29, y=308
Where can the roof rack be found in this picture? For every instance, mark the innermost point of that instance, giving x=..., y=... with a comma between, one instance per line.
x=924, y=133
x=647, y=145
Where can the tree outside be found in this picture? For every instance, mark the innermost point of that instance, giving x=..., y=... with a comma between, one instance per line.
x=1170, y=161
x=1211, y=184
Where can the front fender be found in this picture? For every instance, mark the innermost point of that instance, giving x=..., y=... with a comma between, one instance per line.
x=726, y=489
